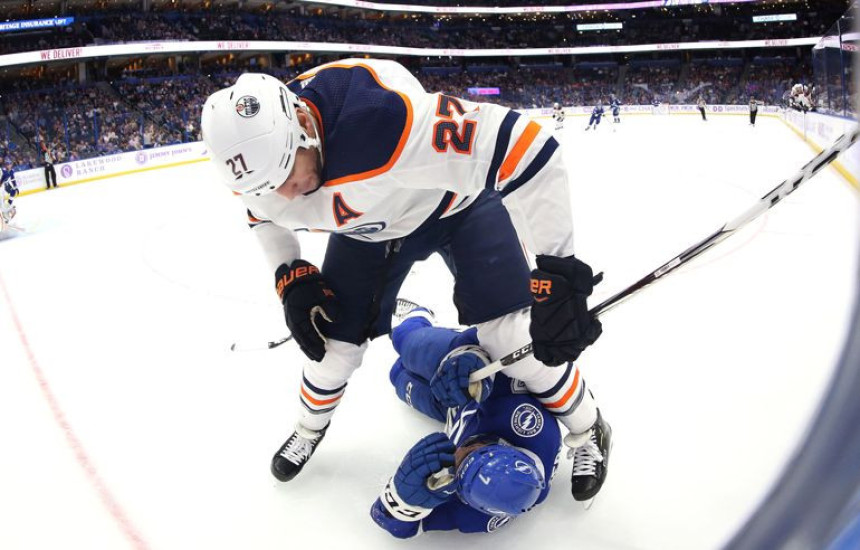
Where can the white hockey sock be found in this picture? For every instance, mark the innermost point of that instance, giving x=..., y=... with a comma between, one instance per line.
x=561, y=389
x=324, y=383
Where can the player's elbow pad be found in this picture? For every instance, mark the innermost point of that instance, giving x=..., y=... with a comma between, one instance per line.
x=398, y=528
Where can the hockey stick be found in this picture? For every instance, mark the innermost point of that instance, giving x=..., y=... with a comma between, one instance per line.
x=819, y=162
x=258, y=346
x=402, y=307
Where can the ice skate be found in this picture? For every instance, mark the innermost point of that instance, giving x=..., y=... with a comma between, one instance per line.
x=406, y=309
x=591, y=462
x=295, y=452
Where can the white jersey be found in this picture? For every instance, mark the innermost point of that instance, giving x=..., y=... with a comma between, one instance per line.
x=392, y=152
x=558, y=116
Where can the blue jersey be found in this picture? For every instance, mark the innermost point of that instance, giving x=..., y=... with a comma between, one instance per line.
x=615, y=105
x=516, y=417
x=510, y=414
x=7, y=180
x=596, y=113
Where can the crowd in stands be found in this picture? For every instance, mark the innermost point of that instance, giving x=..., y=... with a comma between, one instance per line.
x=74, y=122
x=21, y=157
x=105, y=111
x=676, y=24
x=647, y=80
x=152, y=106
x=716, y=80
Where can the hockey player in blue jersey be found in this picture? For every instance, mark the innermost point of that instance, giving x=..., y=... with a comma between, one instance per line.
x=499, y=455
x=615, y=105
x=9, y=188
x=596, y=114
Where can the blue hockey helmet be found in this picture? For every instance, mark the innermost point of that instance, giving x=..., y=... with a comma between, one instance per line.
x=499, y=479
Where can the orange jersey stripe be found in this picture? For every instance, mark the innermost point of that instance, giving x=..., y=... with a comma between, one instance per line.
x=450, y=202
x=516, y=155
x=568, y=394
x=319, y=402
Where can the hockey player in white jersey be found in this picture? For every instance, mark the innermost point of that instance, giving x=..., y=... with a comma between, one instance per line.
x=558, y=116
x=395, y=174
x=800, y=98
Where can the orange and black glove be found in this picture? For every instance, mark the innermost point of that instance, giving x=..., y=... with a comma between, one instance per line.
x=309, y=304
x=561, y=326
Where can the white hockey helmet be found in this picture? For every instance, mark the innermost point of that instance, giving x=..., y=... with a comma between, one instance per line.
x=253, y=133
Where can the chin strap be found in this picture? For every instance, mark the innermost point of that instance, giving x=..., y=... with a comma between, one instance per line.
x=309, y=141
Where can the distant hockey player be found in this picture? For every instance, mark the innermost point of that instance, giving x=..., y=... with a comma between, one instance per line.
x=809, y=92
x=800, y=98
x=701, y=105
x=596, y=114
x=8, y=191
x=615, y=106
x=498, y=457
x=395, y=174
x=558, y=116
x=754, y=104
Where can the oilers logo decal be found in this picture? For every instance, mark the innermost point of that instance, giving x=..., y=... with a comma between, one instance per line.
x=247, y=106
x=527, y=420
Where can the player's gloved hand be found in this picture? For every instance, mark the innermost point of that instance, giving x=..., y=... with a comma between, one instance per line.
x=561, y=326
x=308, y=302
x=416, y=481
x=400, y=528
x=450, y=383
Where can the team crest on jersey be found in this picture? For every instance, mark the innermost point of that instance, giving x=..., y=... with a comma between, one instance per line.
x=527, y=420
x=247, y=106
x=497, y=522
x=343, y=213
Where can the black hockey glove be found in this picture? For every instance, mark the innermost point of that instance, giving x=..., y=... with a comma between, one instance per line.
x=308, y=302
x=561, y=325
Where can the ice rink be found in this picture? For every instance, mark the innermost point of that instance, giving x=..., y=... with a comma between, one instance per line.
x=126, y=421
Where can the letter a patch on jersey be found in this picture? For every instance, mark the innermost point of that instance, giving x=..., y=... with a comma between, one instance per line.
x=342, y=212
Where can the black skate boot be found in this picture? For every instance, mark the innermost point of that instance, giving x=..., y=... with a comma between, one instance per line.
x=295, y=452
x=591, y=461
